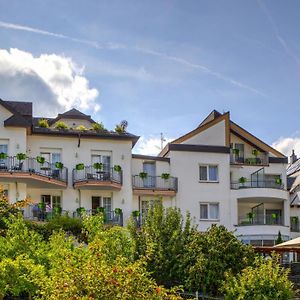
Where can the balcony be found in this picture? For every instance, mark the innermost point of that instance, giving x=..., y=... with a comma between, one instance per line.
x=272, y=184
x=261, y=219
x=262, y=159
x=33, y=173
x=90, y=178
x=154, y=185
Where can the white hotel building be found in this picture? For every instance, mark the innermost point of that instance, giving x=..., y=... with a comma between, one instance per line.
x=219, y=172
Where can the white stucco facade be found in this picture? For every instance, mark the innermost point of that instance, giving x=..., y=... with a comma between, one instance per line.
x=199, y=173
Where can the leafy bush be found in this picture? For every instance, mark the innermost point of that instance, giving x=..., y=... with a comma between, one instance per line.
x=264, y=280
x=98, y=126
x=43, y=123
x=81, y=128
x=61, y=125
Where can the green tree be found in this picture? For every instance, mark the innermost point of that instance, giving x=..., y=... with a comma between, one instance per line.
x=264, y=280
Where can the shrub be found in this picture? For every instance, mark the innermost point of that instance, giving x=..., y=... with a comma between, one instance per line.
x=43, y=123
x=61, y=125
x=81, y=128
x=264, y=280
x=98, y=126
x=79, y=167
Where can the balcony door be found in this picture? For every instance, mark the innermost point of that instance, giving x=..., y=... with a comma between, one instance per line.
x=106, y=202
x=103, y=159
x=149, y=168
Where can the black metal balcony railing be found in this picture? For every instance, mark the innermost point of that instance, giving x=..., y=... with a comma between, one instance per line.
x=257, y=184
x=260, y=219
x=89, y=173
x=260, y=159
x=155, y=182
x=12, y=164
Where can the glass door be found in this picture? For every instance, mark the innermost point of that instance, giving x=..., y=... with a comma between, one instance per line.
x=150, y=180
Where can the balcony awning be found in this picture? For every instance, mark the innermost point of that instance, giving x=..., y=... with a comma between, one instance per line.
x=295, y=243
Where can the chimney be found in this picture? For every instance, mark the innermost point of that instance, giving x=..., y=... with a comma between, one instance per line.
x=293, y=157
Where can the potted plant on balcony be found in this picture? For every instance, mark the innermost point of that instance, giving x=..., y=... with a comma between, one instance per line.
x=20, y=157
x=98, y=166
x=57, y=210
x=165, y=176
x=79, y=167
x=251, y=216
x=59, y=165
x=255, y=153
x=40, y=159
x=242, y=181
x=98, y=126
x=278, y=181
x=279, y=239
x=3, y=155
x=236, y=151
x=118, y=211
x=80, y=211
x=143, y=175
x=117, y=168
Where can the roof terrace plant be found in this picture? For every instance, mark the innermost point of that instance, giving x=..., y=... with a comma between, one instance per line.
x=81, y=128
x=61, y=125
x=98, y=126
x=122, y=127
x=43, y=123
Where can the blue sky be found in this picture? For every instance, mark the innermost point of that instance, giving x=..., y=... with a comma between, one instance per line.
x=161, y=65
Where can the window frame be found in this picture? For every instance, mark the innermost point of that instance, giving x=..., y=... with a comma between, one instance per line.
x=208, y=204
x=207, y=173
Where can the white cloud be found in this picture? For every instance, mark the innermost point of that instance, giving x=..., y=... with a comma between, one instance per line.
x=53, y=82
x=149, y=146
x=287, y=144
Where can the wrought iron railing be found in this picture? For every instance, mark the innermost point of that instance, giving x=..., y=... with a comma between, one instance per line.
x=260, y=159
x=12, y=164
x=257, y=184
x=155, y=182
x=89, y=173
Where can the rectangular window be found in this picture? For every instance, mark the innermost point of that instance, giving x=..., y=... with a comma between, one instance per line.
x=208, y=173
x=241, y=151
x=209, y=211
x=4, y=148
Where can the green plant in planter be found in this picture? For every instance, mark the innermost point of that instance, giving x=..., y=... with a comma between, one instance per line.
x=143, y=175
x=295, y=220
x=117, y=168
x=79, y=167
x=3, y=155
x=43, y=123
x=121, y=128
x=57, y=210
x=81, y=128
x=251, y=216
x=100, y=209
x=136, y=213
x=42, y=206
x=118, y=211
x=40, y=159
x=98, y=126
x=278, y=181
x=255, y=152
x=236, y=151
x=21, y=156
x=59, y=165
x=98, y=166
x=61, y=125
x=279, y=239
x=80, y=211
x=243, y=180
x=165, y=176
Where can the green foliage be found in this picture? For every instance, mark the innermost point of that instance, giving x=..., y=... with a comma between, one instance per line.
x=279, y=239
x=43, y=123
x=118, y=211
x=255, y=152
x=21, y=156
x=40, y=159
x=117, y=168
x=165, y=176
x=81, y=128
x=93, y=225
x=79, y=166
x=98, y=166
x=143, y=175
x=3, y=155
x=209, y=255
x=243, y=180
x=61, y=125
x=119, y=129
x=122, y=127
x=98, y=126
x=6, y=210
x=264, y=280
x=59, y=165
